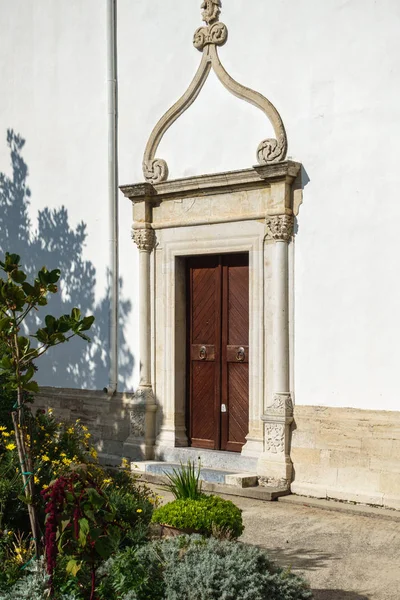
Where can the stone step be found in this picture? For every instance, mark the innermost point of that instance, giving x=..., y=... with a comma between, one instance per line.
x=208, y=475
x=213, y=459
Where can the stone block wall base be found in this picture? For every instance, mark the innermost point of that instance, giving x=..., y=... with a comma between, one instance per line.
x=347, y=454
x=135, y=448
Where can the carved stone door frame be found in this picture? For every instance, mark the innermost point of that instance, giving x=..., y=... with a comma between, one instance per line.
x=241, y=211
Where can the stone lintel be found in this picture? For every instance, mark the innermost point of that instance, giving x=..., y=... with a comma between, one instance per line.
x=218, y=183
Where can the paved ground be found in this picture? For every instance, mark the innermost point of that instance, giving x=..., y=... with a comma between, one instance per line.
x=344, y=556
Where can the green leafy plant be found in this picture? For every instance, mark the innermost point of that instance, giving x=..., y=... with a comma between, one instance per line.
x=185, y=482
x=18, y=298
x=202, y=516
x=80, y=523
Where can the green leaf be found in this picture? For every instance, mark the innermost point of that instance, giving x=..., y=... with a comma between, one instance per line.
x=28, y=375
x=23, y=345
x=5, y=323
x=31, y=386
x=64, y=524
x=72, y=567
x=50, y=322
x=29, y=289
x=42, y=336
x=76, y=314
x=18, y=276
x=54, y=276
x=94, y=497
x=87, y=322
x=83, y=531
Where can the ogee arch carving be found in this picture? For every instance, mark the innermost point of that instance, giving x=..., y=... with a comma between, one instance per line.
x=206, y=40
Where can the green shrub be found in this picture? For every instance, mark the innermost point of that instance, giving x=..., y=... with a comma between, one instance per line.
x=205, y=515
x=195, y=568
x=133, y=575
x=185, y=482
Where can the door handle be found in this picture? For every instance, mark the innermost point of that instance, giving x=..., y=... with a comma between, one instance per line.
x=240, y=354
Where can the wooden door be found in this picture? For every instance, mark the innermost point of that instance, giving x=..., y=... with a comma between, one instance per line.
x=218, y=350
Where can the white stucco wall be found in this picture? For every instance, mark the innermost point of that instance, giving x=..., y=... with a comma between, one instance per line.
x=332, y=70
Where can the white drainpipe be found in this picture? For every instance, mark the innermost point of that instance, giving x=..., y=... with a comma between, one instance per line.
x=113, y=190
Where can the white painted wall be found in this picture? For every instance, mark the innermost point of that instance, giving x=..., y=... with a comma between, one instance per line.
x=332, y=70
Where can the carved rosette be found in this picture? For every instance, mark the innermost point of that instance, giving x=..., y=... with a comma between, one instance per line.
x=271, y=150
x=279, y=227
x=145, y=239
x=155, y=170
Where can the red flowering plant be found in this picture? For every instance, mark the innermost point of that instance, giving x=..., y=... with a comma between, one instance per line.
x=80, y=525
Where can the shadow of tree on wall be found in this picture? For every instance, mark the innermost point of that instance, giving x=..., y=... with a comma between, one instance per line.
x=55, y=244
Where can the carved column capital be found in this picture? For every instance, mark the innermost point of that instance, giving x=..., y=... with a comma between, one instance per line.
x=279, y=227
x=144, y=238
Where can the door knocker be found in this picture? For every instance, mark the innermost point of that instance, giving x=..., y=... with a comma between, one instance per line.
x=240, y=354
x=203, y=353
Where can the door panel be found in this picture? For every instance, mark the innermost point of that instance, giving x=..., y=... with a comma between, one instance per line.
x=204, y=332
x=218, y=353
x=235, y=351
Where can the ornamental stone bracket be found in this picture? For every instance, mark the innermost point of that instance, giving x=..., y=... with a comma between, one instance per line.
x=206, y=40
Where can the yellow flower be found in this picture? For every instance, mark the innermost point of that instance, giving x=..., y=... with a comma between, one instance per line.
x=44, y=486
x=50, y=411
x=36, y=479
x=67, y=461
x=45, y=458
x=87, y=436
x=93, y=453
x=84, y=428
x=139, y=510
x=5, y=434
x=70, y=430
x=10, y=532
x=2, y=428
x=11, y=446
x=106, y=481
x=63, y=454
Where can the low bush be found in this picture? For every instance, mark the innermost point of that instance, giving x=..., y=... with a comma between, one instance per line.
x=195, y=568
x=206, y=515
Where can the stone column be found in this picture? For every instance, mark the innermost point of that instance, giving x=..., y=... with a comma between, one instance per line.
x=275, y=465
x=143, y=414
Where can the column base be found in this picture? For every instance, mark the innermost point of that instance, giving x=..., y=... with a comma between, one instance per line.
x=274, y=473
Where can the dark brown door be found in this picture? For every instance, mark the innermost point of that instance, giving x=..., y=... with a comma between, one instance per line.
x=218, y=351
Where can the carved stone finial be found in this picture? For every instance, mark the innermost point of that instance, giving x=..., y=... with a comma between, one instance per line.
x=145, y=239
x=211, y=11
x=279, y=227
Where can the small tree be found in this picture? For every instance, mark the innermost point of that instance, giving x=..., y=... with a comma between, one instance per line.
x=18, y=299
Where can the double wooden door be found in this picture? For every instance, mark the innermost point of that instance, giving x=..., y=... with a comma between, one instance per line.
x=218, y=351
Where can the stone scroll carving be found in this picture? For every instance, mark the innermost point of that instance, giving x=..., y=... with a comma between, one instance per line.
x=206, y=40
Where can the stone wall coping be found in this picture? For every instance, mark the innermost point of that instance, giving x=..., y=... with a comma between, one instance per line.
x=217, y=183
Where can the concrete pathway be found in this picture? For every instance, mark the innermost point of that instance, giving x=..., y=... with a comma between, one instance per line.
x=345, y=553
